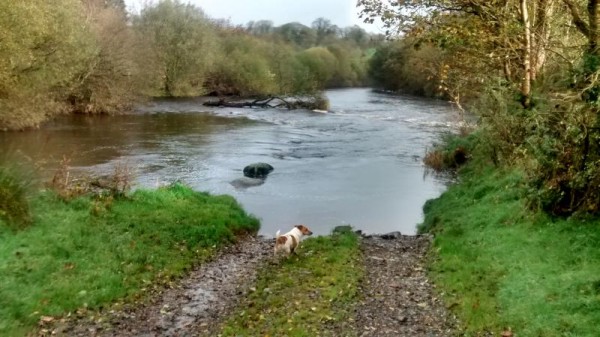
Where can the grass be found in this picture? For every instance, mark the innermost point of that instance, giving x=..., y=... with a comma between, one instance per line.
x=312, y=294
x=89, y=253
x=502, y=266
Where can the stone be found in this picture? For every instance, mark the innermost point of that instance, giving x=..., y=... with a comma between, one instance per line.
x=257, y=170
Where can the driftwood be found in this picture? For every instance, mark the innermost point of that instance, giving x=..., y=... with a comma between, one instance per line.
x=273, y=102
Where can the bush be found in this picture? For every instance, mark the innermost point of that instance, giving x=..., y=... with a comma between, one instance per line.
x=453, y=152
x=566, y=171
x=14, y=192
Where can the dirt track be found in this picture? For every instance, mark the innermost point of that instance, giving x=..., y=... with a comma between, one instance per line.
x=397, y=299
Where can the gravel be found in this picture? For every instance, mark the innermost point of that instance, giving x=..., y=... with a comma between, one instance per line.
x=194, y=307
x=396, y=298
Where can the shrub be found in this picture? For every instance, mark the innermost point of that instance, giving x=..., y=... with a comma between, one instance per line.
x=453, y=152
x=14, y=192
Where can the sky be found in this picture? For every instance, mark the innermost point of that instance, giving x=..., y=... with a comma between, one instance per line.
x=342, y=13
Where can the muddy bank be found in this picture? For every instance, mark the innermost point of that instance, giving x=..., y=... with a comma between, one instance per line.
x=397, y=299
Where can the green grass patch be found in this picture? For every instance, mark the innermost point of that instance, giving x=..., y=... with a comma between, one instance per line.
x=502, y=266
x=90, y=252
x=312, y=294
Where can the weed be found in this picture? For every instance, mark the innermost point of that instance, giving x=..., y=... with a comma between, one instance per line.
x=16, y=183
x=67, y=186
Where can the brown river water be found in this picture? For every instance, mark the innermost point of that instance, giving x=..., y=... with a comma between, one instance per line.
x=359, y=164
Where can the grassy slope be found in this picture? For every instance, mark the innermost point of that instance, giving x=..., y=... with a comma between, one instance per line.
x=502, y=266
x=89, y=253
x=312, y=294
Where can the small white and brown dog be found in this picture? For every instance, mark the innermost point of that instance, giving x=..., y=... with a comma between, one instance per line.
x=288, y=242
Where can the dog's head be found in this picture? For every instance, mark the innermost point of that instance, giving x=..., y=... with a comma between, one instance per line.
x=304, y=230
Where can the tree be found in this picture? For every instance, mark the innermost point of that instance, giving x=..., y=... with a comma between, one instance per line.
x=182, y=44
x=44, y=45
x=357, y=35
x=111, y=81
x=324, y=30
x=320, y=64
x=260, y=28
x=498, y=35
x=297, y=33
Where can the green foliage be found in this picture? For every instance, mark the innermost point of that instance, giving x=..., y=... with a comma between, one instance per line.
x=15, y=190
x=44, y=47
x=181, y=45
x=111, y=80
x=304, y=295
x=351, y=66
x=566, y=170
x=242, y=67
x=320, y=64
x=500, y=266
x=401, y=66
x=297, y=34
x=91, y=252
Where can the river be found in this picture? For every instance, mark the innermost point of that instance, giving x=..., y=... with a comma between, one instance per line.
x=359, y=164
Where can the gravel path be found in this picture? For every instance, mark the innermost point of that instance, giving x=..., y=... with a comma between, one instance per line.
x=397, y=299
x=192, y=308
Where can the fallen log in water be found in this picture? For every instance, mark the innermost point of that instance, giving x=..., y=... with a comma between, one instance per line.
x=310, y=103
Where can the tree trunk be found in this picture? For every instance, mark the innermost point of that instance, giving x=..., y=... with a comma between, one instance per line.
x=541, y=35
x=594, y=16
x=526, y=80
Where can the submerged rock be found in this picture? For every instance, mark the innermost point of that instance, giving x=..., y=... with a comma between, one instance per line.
x=257, y=170
x=246, y=182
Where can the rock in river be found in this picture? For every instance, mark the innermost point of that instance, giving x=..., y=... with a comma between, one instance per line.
x=257, y=170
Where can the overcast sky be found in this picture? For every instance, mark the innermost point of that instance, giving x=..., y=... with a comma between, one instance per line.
x=342, y=13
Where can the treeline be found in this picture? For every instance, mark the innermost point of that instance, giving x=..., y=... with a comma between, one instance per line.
x=92, y=57
x=529, y=69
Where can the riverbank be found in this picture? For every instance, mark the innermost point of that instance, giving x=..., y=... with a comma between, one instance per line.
x=80, y=255
x=504, y=268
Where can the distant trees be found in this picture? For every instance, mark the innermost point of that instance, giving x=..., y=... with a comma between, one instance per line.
x=92, y=57
x=181, y=45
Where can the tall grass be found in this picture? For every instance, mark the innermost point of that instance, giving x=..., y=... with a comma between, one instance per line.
x=88, y=253
x=501, y=266
x=15, y=191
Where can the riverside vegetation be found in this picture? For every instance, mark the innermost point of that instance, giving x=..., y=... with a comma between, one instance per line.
x=92, y=57
x=516, y=237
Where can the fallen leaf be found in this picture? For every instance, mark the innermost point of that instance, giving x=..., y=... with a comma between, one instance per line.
x=46, y=319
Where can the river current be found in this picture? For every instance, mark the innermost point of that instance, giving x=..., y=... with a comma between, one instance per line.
x=359, y=164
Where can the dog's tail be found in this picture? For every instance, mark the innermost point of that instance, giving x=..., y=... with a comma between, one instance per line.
x=277, y=234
